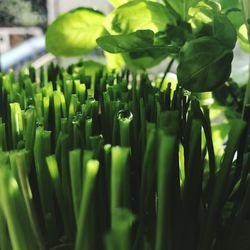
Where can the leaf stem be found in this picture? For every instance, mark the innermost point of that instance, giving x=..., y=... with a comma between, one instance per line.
x=166, y=71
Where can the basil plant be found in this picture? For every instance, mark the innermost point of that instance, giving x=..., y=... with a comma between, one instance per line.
x=199, y=35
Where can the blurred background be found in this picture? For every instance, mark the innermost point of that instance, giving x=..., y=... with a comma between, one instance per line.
x=24, y=22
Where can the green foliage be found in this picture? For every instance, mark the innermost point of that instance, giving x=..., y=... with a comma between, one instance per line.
x=74, y=33
x=180, y=30
x=91, y=159
x=137, y=48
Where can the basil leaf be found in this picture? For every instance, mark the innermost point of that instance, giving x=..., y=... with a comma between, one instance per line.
x=205, y=64
x=126, y=43
x=138, y=15
x=74, y=33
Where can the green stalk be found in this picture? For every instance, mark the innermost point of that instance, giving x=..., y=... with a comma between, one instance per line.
x=41, y=151
x=46, y=106
x=125, y=118
x=21, y=164
x=11, y=203
x=83, y=238
x=30, y=129
x=65, y=181
x=166, y=72
x=168, y=194
x=88, y=131
x=120, y=236
x=192, y=189
x=87, y=156
x=56, y=181
x=119, y=179
x=38, y=101
x=4, y=235
x=220, y=193
x=57, y=113
x=16, y=124
x=76, y=179
x=147, y=194
x=3, y=139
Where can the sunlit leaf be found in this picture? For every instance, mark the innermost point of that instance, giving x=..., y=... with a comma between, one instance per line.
x=137, y=15
x=74, y=33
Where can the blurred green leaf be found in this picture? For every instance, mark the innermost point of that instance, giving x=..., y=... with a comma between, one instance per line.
x=74, y=33
x=114, y=61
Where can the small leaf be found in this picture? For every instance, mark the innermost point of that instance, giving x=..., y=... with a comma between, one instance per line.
x=74, y=33
x=205, y=64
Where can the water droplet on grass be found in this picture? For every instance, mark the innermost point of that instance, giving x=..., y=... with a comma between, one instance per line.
x=125, y=115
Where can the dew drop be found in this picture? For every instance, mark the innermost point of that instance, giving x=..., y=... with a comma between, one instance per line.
x=125, y=115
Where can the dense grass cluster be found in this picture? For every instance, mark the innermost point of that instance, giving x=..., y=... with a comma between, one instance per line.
x=108, y=161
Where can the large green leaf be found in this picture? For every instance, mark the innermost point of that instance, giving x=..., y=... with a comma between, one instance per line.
x=138, y=15
x=204, y=65
x=74, y=33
